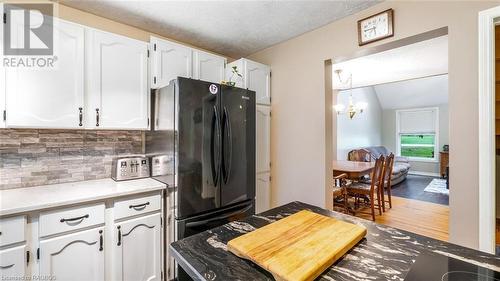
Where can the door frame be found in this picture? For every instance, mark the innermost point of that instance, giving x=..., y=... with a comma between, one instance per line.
x=487, y=155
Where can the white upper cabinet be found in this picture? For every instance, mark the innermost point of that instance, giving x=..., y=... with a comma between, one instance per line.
x=258, y=79
x=77, y=256
x=138, y=249
x=255, y=77
x=168, y=61
x=263, y=138
x=118, y=82
x=49, y=97
x=209, y=67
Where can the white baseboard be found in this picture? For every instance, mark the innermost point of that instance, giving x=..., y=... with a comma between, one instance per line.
x=429, y=174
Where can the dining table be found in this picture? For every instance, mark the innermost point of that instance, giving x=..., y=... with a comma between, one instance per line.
x=353, y=169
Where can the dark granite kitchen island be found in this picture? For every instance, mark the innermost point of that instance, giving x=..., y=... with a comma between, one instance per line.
x=385, y=254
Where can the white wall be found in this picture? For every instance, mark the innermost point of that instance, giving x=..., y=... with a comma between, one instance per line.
x=389, y=136
x=364, y=129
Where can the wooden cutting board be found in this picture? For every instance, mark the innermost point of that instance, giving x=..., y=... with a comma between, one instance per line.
x=298, y=247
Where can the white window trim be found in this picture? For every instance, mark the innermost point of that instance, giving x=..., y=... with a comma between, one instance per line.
x=436, y=133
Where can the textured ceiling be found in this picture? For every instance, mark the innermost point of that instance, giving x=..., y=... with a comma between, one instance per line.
x=232, y=28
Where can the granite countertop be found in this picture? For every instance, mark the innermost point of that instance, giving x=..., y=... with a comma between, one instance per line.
x=385, y=254
x=21, y=200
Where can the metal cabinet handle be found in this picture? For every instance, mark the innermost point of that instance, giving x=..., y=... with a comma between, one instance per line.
x=7, y=266
x=139, y=206
x=97, y=117
x=75, y=219
x=80, y=116
x=119, y=236
x=100, y=241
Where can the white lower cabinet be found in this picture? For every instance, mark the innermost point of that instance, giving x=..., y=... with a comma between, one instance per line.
x=86, y=243
x=13, y=263
x=138, y=249
x=76, y=256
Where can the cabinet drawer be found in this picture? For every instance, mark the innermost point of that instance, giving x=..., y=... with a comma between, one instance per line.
x=13, y=263
x=137, y=205
x=63, y=220
x=12, y=230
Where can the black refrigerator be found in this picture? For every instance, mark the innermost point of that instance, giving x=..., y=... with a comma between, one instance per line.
x=202, y=144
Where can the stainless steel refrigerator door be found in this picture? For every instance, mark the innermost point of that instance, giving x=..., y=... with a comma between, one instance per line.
x=238, y=145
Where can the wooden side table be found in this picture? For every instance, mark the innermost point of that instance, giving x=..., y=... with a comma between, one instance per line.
x=443, y=162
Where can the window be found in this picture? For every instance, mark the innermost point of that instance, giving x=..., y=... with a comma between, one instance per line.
x=421, y=146
x=417, y=134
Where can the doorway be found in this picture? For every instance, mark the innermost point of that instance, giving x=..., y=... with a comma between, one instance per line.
x=384, y=106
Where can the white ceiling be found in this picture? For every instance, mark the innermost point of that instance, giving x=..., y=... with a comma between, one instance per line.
x=422, y=92
x=232, y=28
x=422, y=59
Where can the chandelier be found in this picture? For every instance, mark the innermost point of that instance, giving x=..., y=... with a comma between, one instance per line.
x=352, y=108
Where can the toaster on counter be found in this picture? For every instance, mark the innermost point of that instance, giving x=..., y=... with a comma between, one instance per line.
x=128, y=168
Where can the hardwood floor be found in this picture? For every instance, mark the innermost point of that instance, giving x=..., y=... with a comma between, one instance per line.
x=424, y=218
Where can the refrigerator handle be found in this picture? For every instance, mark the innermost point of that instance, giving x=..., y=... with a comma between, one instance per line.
x=228, y=134
x=204, y=222
x=215, y=159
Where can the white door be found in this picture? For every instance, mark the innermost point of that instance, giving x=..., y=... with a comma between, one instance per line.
x=263, y=192
x=263, y=138
x=76, y=256
x=50, y=97
x=118, y=85
x=138, y=249
x=13, y=263
x=209, y=67
x=170, y=60
x=258, y=79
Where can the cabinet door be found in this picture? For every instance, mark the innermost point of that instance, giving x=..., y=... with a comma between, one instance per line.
x=49, y=97
x=263, y=135
x=2, y=81
x=76, y=256
x=118, y=85
x=209, y=67
x=258, y=79
x=138, y=249
x=13, y=263
x=231, y=77
x=263, y=192
x=170, y=60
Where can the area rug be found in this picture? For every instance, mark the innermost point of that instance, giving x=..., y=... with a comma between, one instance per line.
x=437, y=186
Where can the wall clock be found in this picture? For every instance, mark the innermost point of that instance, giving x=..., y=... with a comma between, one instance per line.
x=376, y=27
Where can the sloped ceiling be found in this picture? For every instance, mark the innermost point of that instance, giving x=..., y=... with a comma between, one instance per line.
x=232, y=28
x=414, y=93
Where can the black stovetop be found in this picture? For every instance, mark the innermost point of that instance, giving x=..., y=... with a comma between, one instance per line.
x=435, y=267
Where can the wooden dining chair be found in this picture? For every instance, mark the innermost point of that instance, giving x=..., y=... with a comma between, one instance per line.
x=340, y=192
x=361, y=155
x=388, y=166
x=371, y=190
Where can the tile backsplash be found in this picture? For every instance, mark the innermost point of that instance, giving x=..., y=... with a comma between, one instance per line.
x=30, y=157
